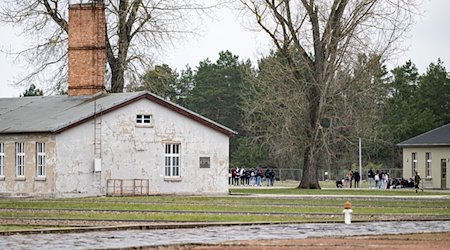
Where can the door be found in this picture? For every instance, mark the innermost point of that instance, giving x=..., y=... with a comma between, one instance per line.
x=444, y=173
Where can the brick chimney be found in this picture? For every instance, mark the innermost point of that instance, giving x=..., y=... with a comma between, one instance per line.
x=87, y=54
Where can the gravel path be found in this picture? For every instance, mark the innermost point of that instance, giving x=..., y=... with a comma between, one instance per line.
x=214, y=235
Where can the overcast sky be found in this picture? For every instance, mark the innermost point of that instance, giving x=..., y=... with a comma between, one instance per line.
x=428, y=40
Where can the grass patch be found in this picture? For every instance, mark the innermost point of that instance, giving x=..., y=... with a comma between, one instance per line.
x=347, y=192
x=286, y=205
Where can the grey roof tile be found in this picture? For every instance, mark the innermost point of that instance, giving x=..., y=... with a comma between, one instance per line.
x=436, y=137
x=55, y=113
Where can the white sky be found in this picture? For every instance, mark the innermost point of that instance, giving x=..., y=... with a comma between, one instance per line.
x=428, y=40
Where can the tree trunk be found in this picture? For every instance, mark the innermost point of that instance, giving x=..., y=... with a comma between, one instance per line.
x=117, y=77
x=309, y=176
x=118, y=63
x=117, y=68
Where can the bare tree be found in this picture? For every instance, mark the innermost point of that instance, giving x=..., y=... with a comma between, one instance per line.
x=136, y=31
x=322, y=40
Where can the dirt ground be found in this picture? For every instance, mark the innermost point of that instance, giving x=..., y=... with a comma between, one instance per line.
x=391, y=242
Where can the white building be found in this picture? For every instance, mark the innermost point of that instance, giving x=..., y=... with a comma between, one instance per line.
x=428, y=154
x=93, y=143
x=49, y=145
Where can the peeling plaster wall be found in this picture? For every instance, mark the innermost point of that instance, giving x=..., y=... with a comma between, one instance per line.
x=30, y=184
x=75, y=161
x=136, y=152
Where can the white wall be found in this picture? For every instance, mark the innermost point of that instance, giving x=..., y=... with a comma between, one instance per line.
x=132, y=152
x=75, y=156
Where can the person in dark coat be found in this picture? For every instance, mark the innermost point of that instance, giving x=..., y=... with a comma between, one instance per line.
x=417, y=180
x=357, y=178
x=272, y=177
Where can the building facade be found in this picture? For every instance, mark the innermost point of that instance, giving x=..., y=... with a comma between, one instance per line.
x=91, y=143
x=130, y=136
x=429, y=155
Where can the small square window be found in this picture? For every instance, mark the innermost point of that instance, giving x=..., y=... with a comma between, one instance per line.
x=144, y=120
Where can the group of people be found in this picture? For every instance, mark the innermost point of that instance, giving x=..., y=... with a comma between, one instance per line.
x=379, y=180
x=251, y=177
x=350, y=177
x=397, y=183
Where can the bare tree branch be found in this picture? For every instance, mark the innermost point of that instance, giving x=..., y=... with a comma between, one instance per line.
x=136, y=30
x=322, y=43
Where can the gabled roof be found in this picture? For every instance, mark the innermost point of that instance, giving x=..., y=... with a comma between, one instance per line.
x=55, y=114
x=436, y=137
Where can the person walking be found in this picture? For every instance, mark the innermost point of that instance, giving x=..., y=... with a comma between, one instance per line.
x=370, y=176
x=350, y=177
x=247, y=177
x=242, y=174
x=267, y=175
x=272, y=177
x=357, y=178
x=236, y=176
x=377, y=179
x=259, y=175
x=382, y=180
x=253, y=178
x=386, y=180
x=417, y=180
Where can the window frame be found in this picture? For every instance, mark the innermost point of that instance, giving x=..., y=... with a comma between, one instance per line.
x=428, y=164
x=20, y=159
x=2, y=159
x=40, y=159
x=144, y=120
x=172, y=160
x=413, y=163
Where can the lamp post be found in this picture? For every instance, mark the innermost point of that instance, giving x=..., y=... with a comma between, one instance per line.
x=360, y=158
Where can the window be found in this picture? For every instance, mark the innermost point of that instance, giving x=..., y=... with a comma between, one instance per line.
x=172, y=160
x=414, y=163
x=20, y=159
x=428, y=164
x=2, y=159
x=40, y=159
x=143, y=119
x=443, y=169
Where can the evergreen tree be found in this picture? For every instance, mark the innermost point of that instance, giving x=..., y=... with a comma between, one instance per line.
x=167, y=83
x=32, y=91
x=433, y=96
x=415, y=104
x=216, y=88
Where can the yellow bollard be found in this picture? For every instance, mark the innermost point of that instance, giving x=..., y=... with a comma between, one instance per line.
x=347, y=212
